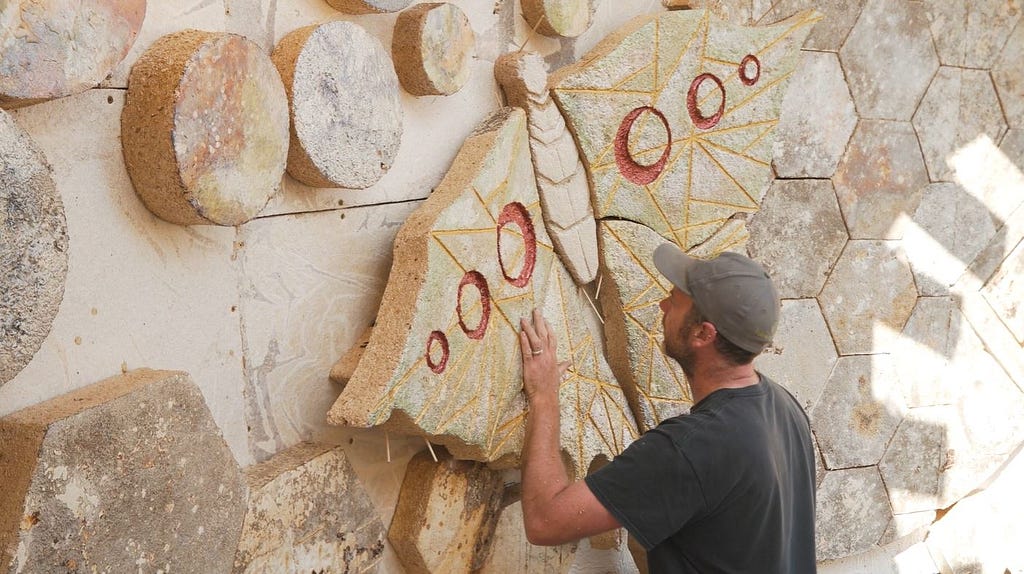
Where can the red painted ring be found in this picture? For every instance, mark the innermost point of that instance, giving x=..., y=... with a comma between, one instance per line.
x=698, y=119
x=480, y=282
x=442, y=339
x=516, y=213
x=629, y=168
x=747, y=80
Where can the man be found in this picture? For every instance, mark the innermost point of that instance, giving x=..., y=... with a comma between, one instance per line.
x=726, y=488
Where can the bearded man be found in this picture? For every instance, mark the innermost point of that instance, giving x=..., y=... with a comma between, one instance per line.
x=728, y=487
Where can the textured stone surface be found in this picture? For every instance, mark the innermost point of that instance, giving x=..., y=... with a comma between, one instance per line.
x=433, y=46
x=653, y=158
x=567, y=18
x=802, y=354
x=732, y=236
x=868, y=297
x=993, y=175
x=342, y=371
x=852, y=512
x=511, y=552
x=936, y=353
x=346, y=121
x=858, y=411
x=1012, y=147
x=33, y=248
x=307, y=512
x=129, y=473
x=880, y=176
x=62, y=47
x=798, y=235
x=816, y=121
x=446, y=515
x=1005, y=292
x=971, y=33
x=829, y=34
x=223, y=104
x=1009, y=77
x=561, y=178
x=630, y=293
x=468, y=264
x=950, y=228
x=889, y=59
x=368, y=6
x=959, y=106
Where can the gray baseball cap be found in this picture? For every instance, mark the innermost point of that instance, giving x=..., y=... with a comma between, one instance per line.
x=733, y=292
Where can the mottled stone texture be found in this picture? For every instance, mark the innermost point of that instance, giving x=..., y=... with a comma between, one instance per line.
x=868, y=297
x=432, y=46
x=675, y=115
x=880, y=177
x=566, y=18
x=205, y=128
x=889, y=59
x=124, y=475
x=61, y=47
x=802, y=354
x=858, y=411
x=561, y=177
x=444, y=359
x=993, y=175
x=307, y=512
x=798, y=235
x=632, y=289
x=852, y=512
x=33, y=248
x=1005, y=292
x=368, y=6
x=346, y=121
x=936, y=354
x=959, y=106
x=971, y=33
x=1008, y=76
x=816, y=121
x=829, y=34
x=446, y=515
x=511, y=552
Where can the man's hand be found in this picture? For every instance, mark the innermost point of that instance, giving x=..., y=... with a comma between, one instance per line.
x=541, y=370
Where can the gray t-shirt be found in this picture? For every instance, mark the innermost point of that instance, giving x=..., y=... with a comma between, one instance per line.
x=726, y=488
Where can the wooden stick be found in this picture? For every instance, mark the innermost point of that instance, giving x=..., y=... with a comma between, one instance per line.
x=592, y=306
x=597, y=293
x=387, y=444
x=431, y=447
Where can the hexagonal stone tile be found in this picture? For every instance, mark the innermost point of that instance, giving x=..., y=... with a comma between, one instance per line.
x=992, y=174
x=816, y=121
x=958, y=106
x=935, y=353
x=971, y=33
x=889, y=59
x=880, y=177
x=868, y=297
x=128, y=474
x=1012, y=147
x=802, y=354
x=798, y=235
x=1005, y=292
x=1008, y=77
x=948, y=230
x=858, y=411
x=852, y=512
x=827, y=35
x=308, y=513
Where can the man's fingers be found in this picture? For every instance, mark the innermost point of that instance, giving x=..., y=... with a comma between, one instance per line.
x=524, y=344
x=532, y=340
x=540, y=326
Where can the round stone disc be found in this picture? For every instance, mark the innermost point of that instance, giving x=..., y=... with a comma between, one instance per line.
x=345, y=108
x=566, y=18
x=368, y=6
x=33, y=249
x=432, y=47
x=61, y=47
x=204, y=130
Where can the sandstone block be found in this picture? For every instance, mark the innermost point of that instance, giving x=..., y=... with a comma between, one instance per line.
x=129, y=473
x=1009, y=78
x=511, y=552
x=33, y=248
x=970, y=34
x=62, y=47
x=566, y=18
x=307, y=512
x=802, y=353
x=346, y=119
x=675, y=116
x=433, y=46
x=443, y=359
x=852, y=512
x=205, y=128
x=368, y=6
x=342, y=371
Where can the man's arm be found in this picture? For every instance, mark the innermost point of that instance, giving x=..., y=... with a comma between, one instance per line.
x=555, y=511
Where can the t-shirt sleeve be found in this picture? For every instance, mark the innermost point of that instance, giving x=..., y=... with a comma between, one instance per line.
x=651, y=488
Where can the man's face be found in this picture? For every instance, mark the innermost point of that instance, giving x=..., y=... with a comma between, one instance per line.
x=680, y=326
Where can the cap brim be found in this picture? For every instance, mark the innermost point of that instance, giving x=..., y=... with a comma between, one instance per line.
x=674, y=265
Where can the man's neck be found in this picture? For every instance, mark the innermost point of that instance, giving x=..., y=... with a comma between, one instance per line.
x=712, y=377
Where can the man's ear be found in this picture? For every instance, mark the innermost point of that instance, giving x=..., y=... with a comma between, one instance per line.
x=706, y=333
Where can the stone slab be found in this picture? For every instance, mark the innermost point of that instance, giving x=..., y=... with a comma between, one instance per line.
x=880, y=177
x=858, y=411
x=864, y=315
x=565, y=18
x=959, y=106
x=1012, y=147
x=971, y=34
x=432, y=46
x=645, y=147
x=993, y=175
x=58, y=48
x=224, y=106
x=1009, y=78
x=129, y=473
x=802, y=354
x=732, y=236
x=798, y=235
x=346, y=118
x=816, y=120
x=829, y=34
x=445, y=510
x=511, y=552
x=935, y=353
x=852, y=512
x=468, y=264
x=342, y=371
x=33, y=248
x=307, y=512
x=889, y=59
